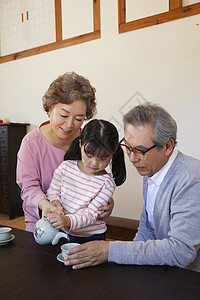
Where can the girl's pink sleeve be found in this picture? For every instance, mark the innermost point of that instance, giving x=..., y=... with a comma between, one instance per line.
x=89, y=215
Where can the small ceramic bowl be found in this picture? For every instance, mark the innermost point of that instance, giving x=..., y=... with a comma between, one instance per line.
x=5, y=233
x=66, y=247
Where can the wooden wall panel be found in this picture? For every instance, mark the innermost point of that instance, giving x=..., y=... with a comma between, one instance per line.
x=176, y=11
x=60, y=43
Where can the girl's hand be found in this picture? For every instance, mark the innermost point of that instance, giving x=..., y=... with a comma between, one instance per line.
x=87, y=255
x=59, y=208
x=59, y=221
x=106, y=210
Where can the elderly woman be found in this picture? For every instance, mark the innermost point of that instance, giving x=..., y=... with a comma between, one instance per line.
x=69, y=101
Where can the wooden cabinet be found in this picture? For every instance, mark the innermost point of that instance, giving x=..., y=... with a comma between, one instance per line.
x=11, y=135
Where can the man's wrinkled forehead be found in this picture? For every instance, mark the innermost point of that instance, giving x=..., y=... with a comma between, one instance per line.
x=130, y=129
x=138, y=134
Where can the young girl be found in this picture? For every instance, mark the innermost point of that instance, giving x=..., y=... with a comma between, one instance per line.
x=81, y=183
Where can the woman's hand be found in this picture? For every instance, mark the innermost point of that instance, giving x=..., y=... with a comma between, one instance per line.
x=59, y=221
x=87, y=255
x=46, y=207
x=107, y=210
x=59, y=208
x=49, y=207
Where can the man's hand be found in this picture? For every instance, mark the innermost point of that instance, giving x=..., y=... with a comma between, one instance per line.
x=87, y=255
x=106, y=210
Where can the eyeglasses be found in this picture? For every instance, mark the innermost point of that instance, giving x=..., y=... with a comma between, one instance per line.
x=139, y=153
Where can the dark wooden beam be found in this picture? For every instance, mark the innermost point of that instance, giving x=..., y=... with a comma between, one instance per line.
x=174, y=4
x=96, y=15
x=121, y=11
x=58, y=20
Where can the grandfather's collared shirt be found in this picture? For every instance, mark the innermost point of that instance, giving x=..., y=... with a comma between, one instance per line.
x=154, y=183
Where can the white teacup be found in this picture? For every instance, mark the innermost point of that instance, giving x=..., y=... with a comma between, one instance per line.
x=66, y=247
x=5, y=233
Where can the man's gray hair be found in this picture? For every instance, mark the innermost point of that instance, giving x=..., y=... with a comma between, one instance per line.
x=163, y=125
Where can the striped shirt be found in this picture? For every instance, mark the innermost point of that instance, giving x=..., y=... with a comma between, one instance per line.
x=81, y=195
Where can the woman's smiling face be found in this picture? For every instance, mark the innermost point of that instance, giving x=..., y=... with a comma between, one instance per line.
x=66, y=119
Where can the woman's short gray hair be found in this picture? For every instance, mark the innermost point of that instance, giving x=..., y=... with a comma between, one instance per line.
x=163, y=125
x=68, y=88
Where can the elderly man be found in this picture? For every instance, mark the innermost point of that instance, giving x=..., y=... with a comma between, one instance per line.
x=168, y=233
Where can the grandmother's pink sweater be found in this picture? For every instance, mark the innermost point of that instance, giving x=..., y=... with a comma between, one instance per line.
x=37, y=160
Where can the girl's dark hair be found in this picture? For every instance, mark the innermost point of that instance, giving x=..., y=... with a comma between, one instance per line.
x=100, y=138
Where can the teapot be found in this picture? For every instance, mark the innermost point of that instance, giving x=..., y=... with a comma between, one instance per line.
x=45, y=233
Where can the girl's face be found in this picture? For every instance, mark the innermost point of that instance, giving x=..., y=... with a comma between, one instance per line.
x=66, y=119
x=93, y=165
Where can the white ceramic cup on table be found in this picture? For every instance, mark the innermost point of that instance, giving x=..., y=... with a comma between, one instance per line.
x=66, y=247
x=5, y=233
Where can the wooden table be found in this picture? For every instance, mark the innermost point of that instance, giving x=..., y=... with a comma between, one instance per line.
x=31, y=271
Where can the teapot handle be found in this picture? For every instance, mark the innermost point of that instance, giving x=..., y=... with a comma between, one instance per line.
x=58, y=236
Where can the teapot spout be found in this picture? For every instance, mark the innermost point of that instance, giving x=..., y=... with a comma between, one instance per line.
x=58, y=236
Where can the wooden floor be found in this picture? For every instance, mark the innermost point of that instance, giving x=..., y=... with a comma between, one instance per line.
x=16, y=223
